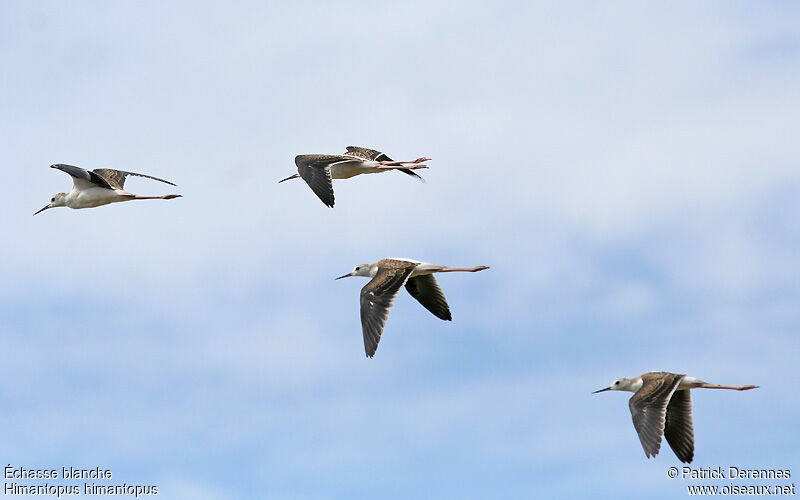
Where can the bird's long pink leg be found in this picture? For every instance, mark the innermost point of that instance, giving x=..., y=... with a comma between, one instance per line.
x=398, y=163
x=165, y=197
x=731, y=387
x=404, y=167
x=465, y=269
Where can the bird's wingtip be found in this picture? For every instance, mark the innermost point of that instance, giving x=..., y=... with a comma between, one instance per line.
x=293, y=176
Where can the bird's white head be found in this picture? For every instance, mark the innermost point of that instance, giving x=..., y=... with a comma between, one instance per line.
x=365, y=270
x=58, y=200
x=621, y=384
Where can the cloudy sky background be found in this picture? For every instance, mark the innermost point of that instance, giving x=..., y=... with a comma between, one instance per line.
x=630, y=173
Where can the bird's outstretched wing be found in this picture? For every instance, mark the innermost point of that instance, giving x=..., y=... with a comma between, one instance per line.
x=649, y=408
x=678, y=428
x=316, y=171
x=426, y=290
x=116, y=178
x=371, y=154
x=82, y=178
x=377, y=298
x=366, y=153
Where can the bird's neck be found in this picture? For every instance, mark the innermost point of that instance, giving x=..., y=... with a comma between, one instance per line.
x=636, y=384
x=71, y=198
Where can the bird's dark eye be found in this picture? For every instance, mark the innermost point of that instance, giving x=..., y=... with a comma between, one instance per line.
x=616, y=383
x=52, y=199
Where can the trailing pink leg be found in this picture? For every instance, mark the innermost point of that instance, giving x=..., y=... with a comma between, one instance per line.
x=465, y=269
x=398, y=163
x=412, y=167
x=731, y=387
x=165, y=197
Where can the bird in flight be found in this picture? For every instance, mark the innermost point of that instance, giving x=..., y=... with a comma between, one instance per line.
x=662, y=405
x=93, y=188
x=318, y=170
x=388, y=275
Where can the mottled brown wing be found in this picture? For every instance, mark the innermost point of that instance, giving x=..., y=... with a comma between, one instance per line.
x=369, y=154
x=428, y=293
x=316, y=171
x=377, y=298
x=678, y=428
x=649, y=407
x=116, y=178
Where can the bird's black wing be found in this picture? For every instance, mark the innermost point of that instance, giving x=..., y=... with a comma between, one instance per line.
x=83, y=178
x=377, y=298
x=427, y=291
x=649, y=407
x=316, y=171
x=678, y=428
x=411, y=173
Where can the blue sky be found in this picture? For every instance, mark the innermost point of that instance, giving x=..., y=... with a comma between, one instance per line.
x=629, y=172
